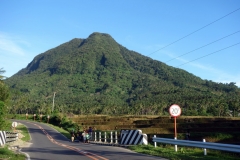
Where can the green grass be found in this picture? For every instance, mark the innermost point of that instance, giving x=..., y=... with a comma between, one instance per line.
x=24, y=131
x=184, y=153
x=6, y=154
x=61, y=130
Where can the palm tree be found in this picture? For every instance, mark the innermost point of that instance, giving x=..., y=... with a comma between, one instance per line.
x=1, y=72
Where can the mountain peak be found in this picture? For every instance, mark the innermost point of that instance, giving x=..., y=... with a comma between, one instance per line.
x=98, y=34
x=99, y=74
x=97, y=37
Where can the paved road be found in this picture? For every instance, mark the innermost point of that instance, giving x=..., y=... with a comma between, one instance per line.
x=48, y=144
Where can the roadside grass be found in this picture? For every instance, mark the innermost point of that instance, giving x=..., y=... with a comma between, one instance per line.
x=24, y=132
x=184, y=153
x=6, y=154
x=60, y=130
x=167, y=151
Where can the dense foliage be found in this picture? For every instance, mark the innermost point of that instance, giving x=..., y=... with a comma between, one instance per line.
x=4, y=94
x=99, y=76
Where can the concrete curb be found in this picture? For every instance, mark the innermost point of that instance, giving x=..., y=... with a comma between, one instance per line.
x=109, y=144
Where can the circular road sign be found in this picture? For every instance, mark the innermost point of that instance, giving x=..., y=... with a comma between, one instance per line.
x=175, y=110
x=14, y=124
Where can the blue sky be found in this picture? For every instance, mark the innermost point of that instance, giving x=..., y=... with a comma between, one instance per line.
x=211, y=29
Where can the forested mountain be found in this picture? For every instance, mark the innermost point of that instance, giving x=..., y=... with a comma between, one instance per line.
x=99, y=76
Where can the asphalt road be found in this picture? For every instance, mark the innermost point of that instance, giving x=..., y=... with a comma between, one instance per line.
x=49, y=144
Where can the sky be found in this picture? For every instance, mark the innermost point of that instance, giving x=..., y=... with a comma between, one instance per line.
x=199, y=36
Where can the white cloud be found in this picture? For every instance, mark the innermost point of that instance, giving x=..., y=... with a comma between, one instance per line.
x=226, y=78
x=11, y=45
x=219, y=75
x=216, y=74
x=13, y=53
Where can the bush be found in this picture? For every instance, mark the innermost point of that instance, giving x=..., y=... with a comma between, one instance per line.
x=4, y=125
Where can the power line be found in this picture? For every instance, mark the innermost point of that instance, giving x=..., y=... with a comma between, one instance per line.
x=204, y=46
x=209, y=54
x=195, y=31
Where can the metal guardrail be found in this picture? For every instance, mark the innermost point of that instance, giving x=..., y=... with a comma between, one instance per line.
x=7, y=137
x=198, y=144
x=11, y=136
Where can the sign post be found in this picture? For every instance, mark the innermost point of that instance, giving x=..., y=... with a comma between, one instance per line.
x=26, y=116
x=40, y=117
x=175, y=111
x=34, y=116
x=48, y=118
x=14, y=125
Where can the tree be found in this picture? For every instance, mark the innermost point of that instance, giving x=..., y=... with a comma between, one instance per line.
x=4, y=94
x=2, y=116
x=1, y=72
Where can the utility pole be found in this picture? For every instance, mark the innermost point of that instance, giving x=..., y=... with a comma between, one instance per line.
x=53, y=101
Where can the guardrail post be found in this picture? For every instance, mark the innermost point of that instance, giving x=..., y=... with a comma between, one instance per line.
x=155, y=143
x=204, y=150
x=111, y=138
x=95, y=136
x=175, y=145
x=116, y=137
x=105, y=137
x=100, y=137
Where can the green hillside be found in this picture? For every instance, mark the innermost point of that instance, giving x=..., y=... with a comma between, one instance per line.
x=99, y=76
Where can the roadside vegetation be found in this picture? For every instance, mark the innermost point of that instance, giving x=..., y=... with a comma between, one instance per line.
x=162, y=150
x=167, y=151
x=184, y=153
x=24, y=132
x=8, y=154
x=61, y=130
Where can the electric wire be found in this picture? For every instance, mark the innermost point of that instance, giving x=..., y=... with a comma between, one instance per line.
x=204, y=45
x=195, y=31
x=209, y=54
